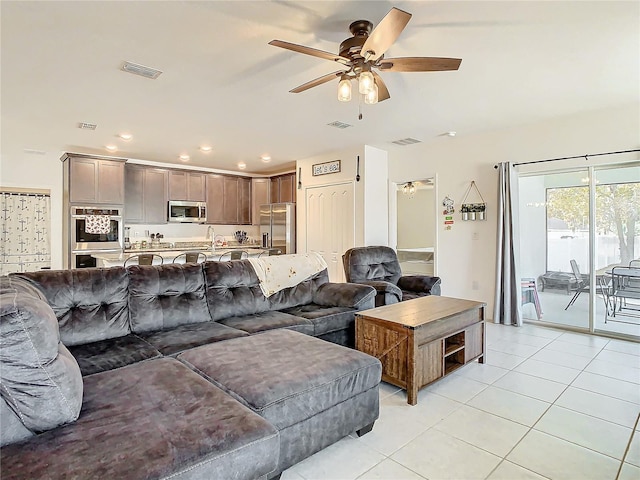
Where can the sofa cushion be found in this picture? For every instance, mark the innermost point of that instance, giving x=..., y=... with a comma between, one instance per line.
x=90, y=303
x=261, y=322
x=183, y=337
x=112, y=353
x=325, y=319
x=15, y=284
x=301, y=294
x=39, y=379
x=285, y=376
x=233, y=289
x=152, y=420
x=165, y=296
x=13, y=430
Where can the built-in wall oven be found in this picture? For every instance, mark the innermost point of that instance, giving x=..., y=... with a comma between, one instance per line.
x=94, y=229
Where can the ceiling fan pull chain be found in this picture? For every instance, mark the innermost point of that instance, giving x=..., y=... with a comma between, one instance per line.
x=359, y=107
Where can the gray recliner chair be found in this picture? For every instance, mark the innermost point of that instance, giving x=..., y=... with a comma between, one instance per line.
x=378, y=266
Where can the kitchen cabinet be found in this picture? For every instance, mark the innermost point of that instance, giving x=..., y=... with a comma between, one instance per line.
x=94, y=180
x=244, y=201
x=188, y=186
x=228, y=200
x=259, y=196
x=283, y=188
x=215, y=198
x=146, y=194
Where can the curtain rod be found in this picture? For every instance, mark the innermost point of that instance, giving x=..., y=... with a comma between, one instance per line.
x=586, y=157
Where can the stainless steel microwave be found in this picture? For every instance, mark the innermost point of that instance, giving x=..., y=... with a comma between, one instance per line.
x=187, y=212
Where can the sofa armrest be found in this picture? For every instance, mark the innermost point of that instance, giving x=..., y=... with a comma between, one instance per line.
x=420, y=283
x=345, y=295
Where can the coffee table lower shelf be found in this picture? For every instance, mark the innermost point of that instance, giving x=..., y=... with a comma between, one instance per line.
x=415, y=354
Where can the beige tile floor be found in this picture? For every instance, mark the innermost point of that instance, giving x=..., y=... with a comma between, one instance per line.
x=546, y=404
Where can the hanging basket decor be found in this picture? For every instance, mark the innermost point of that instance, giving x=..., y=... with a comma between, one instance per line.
x=473, y=211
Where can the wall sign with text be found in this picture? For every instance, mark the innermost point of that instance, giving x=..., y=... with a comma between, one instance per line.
x=326, y=168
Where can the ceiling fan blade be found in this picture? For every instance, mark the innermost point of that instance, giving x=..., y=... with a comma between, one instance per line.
x=419, y=64
x=317, y=81
x=314, y=52
x=383, y=91
x=387, y=31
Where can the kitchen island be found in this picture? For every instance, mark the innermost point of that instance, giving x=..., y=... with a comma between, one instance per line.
x=118, y=259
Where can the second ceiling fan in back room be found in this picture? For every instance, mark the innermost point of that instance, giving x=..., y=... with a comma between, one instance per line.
x=361, y=54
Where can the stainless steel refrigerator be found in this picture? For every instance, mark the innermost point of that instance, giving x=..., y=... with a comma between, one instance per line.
x=278, y=226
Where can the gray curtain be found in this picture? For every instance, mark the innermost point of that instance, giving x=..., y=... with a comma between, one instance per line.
x=507, y=308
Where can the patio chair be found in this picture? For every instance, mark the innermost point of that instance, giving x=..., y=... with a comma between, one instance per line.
x=582, y=285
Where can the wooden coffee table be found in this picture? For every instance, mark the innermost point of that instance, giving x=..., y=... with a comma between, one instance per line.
x=420, y=341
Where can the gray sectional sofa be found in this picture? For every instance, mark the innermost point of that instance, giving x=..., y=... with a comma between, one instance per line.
x=182, y=371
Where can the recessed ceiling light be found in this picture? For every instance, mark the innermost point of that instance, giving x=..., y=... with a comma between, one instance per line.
x=206, y=148
x=184, y=157
x=242, y=165
x=111, y=148
x=451, y=134
x=265, y=158
x=125, y=136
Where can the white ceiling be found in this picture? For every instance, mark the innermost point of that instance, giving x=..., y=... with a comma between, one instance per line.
x=225, y=86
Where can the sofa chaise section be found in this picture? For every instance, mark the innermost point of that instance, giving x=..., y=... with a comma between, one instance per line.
x=153, y=420
x=305, y=387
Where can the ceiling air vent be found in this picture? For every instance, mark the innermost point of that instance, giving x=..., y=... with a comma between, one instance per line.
x=87, y=126
x=141, y=70
x=406, y=141
x=340, y=125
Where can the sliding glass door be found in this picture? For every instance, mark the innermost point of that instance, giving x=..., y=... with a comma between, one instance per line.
x=576, y=226
x=617, y=247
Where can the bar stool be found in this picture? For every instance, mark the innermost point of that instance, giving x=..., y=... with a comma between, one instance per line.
x=271, y=252
x=191, y=257
x=143, y=259
x=234, y=255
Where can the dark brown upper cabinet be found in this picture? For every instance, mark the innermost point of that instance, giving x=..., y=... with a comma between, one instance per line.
x=146, y=199
x=189, y=186
x=283, y=188
x=94, y=180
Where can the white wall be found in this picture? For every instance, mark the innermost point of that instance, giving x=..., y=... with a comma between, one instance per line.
x=458, y=160
x=24, y=170
x=376, y=201
x=370, y=193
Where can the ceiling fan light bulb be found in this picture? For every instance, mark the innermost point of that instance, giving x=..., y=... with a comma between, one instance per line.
x=344, y=90
x=365, y=82
x=371, y=98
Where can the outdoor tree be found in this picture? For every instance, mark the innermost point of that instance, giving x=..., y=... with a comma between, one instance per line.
x=617, y=211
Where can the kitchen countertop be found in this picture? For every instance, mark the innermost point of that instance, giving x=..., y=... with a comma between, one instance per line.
x=196, y=248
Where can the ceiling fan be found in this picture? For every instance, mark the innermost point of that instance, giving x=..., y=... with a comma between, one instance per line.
x=360, y=54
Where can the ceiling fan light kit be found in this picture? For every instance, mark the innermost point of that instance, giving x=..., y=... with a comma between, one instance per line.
x=371, y=98
x=344, y=89
x=365, y=51
x=365, y=82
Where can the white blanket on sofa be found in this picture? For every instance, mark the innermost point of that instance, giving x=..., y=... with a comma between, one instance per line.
x=278, y=272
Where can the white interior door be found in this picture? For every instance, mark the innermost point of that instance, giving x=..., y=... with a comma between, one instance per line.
x=330, y=224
